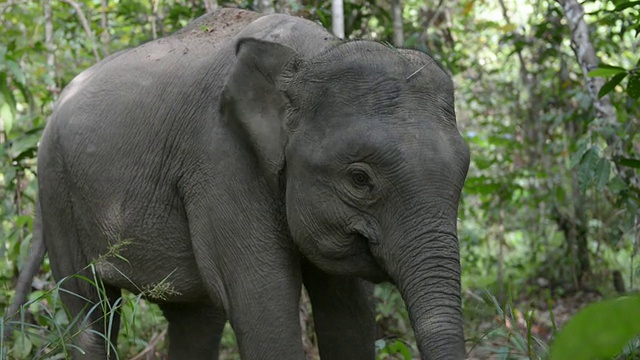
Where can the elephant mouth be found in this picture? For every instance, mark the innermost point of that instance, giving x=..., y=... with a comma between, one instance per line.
x=353, y=258
x=377, y=274
x=364, y=261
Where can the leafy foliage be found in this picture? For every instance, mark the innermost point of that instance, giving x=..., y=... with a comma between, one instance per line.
x=599, y=331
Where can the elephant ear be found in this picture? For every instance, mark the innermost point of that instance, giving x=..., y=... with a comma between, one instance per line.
x=255, y=106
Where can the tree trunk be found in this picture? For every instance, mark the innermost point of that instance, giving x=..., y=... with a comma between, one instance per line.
x=588, y=60
x=286, y=6
x=337, y=14
x=48, y=43
x=398, y=33
x=86, y=25
x=153, y=17
x=578, y=232
x=618, y=282
x=210, y=5
x=105, y=37
x=264, y=6
x=586, y=56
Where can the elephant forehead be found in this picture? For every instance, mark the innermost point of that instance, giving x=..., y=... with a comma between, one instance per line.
x=365, y=89
x=377, y=140
x=346, y=97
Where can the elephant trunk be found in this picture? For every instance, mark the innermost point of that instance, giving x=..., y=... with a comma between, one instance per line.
x=426, y=270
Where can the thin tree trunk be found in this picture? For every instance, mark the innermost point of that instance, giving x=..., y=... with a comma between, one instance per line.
x=210, y=5
x=86, y=26
x=586, y=56
x=264, y=6
x=153, y=18
x=105, y=36
x=581, y=235
x=48, y=44
x=337, y=14
x=588, y=60
x=500, y=265
x=286, y=6
x=398, y=24
x=636, y=247
x=577, y=235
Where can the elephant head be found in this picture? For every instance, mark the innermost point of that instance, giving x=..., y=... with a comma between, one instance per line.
x=361, y=141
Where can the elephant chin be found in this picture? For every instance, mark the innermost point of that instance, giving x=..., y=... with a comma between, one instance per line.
x=361, y=264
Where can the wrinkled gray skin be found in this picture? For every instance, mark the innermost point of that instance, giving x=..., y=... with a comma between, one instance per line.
x=243, y=157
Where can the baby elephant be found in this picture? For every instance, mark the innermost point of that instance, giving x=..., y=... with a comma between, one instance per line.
x=219, y=169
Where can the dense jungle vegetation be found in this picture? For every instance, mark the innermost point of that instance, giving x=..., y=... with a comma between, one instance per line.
x=547, y=99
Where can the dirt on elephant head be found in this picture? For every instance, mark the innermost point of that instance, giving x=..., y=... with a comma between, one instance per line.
x=217, y=24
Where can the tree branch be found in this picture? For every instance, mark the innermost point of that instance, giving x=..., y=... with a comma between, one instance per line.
x=524, y=70
x=86, y=26
x=432, y=16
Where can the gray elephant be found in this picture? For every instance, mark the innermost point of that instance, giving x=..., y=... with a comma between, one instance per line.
x=243, y=157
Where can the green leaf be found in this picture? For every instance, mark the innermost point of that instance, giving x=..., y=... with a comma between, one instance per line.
x=626, y=5
x=634, y=163
x=633, y=88
x=602, y=173
x=26, y=144
x=587, y=170
x=599, y=331
x=611, y=84
x=7, y=117
x=483, y=163
x=481, y=186
x=5, y=92
x=23, y=220
x=22, y=347
x=576, y=157
x=605, y=71
x=16, y=71
x=503, y=353
x=616, y=186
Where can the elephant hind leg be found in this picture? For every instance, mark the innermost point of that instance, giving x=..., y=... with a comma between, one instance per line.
x=95, y=315
x=195, y=330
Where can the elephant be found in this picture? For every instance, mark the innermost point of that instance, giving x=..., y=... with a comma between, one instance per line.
x=220, y=169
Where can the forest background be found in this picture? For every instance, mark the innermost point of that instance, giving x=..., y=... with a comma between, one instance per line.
x=547, y=98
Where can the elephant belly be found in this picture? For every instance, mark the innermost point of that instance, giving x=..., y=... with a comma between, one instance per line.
x=144, y=247
x=148, y=267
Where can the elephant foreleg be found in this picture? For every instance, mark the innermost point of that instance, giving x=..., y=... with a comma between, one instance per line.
x=343, y=314
x=264, y=316
x=195, y=330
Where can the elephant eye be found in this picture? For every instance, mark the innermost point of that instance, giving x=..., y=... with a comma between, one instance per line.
x=360, y=179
